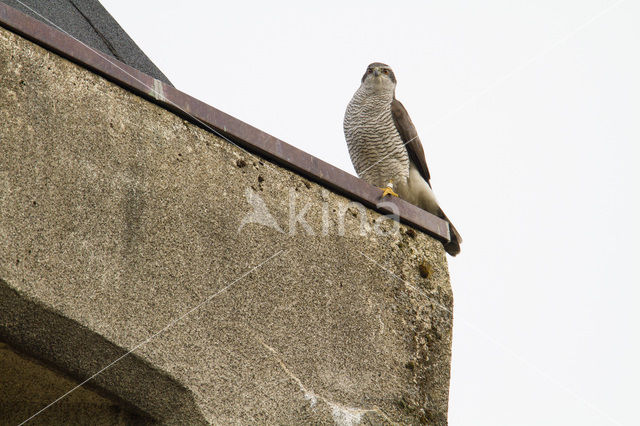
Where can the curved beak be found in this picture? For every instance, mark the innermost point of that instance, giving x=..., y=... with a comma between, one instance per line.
x=376, y=72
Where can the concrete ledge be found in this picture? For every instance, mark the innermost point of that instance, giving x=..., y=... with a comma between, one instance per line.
x=125, y=229
x=71, y=347
x=219, y=123
x=28, y=385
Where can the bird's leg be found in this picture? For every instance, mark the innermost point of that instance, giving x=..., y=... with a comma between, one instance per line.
x=388, y=190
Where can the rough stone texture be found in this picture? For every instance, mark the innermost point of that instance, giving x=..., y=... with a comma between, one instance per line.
x=26, y=386
x=120, y=232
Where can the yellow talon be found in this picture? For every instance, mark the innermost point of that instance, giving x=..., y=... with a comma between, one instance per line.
x=388, y=191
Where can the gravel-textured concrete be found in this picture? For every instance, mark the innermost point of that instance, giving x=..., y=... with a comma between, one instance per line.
x=120, y=228
x=27, y=386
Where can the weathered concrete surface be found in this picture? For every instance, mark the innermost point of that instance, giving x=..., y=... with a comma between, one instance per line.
x=27, y=386
x=119, y=232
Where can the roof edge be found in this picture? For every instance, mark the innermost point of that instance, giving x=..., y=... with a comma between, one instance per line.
x=218, y=122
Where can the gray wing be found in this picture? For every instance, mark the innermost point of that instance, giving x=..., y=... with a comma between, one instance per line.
x=410, y=137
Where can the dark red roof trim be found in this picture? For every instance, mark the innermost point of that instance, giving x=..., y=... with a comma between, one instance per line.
x=214, y=120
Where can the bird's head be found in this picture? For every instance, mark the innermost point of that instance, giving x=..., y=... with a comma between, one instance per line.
x=379, y=77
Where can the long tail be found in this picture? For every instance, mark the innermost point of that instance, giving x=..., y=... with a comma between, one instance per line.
x=453, y=246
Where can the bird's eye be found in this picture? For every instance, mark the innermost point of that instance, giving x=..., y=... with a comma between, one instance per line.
x=369, y=70
x=386, y=72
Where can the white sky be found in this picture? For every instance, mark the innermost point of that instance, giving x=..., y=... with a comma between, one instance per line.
x=529, y=113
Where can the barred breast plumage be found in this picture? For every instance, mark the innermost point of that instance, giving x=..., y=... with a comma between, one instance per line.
x=375, y=146
x=385, y=148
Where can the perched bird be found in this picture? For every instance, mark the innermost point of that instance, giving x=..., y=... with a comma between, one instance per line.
x=384, y=146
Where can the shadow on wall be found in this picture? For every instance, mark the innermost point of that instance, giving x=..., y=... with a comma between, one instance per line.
x=62, y=347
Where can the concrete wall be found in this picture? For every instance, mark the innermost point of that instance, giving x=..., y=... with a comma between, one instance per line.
x=146, y=249
x=28, y=386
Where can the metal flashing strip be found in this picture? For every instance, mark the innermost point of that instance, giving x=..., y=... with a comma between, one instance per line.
x=190, y=108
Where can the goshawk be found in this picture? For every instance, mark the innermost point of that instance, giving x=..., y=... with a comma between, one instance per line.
x=384, y=146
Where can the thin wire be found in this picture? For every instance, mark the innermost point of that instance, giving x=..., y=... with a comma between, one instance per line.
x=502, y=346
x=526, y=64
x=510, y=74
x=490, y=87
x=153, y=90
x=172, y=323
x=153, y=336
